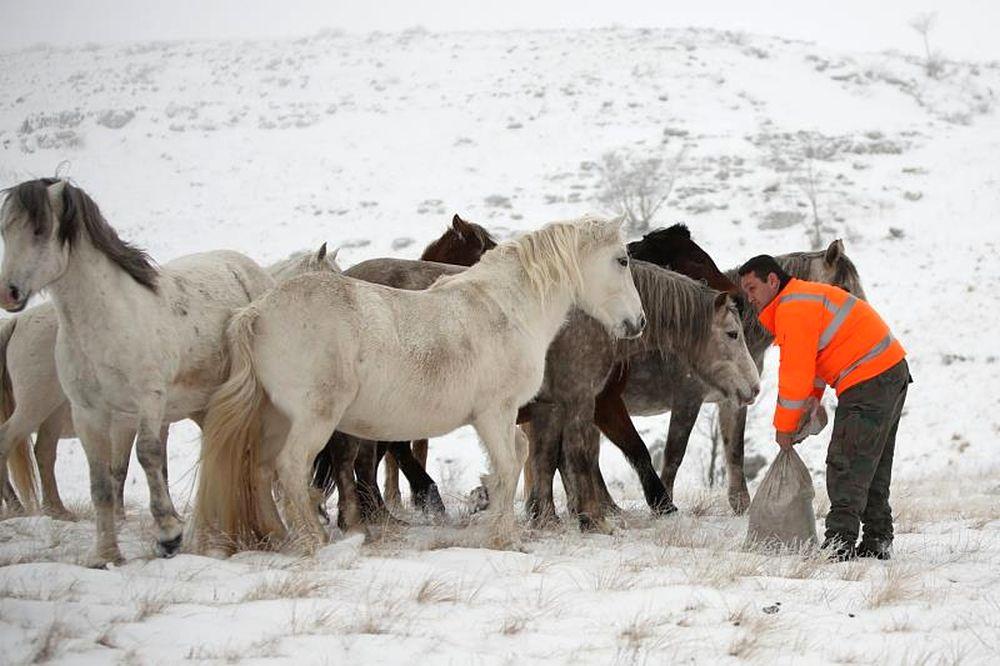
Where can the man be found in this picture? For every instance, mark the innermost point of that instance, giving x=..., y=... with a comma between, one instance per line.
x=829, y=337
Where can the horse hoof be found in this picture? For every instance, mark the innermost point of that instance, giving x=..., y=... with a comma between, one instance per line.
x=739, y=503
x=479, y=499
x=594, y=526
x=169, y=547
x=105, y=560
x=60, y=514
x=430, y=502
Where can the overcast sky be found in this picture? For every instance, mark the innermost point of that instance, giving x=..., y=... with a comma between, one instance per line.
x=964, y=29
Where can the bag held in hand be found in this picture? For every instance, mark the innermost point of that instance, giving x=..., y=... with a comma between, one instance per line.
x=781, y=513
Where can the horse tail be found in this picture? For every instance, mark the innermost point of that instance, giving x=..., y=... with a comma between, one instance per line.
x=21, y=463
x=227, y=504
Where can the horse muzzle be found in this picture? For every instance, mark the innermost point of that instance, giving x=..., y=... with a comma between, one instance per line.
x=633, y=328
x=13, y=299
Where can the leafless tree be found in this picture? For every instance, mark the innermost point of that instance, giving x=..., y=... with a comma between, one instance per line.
x=933, y=61
x=637, y=187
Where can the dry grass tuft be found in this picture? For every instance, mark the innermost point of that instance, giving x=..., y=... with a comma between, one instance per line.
x=897, y=584
x=515, y=623
x=148, y=605
x=898, y=624
x=612, y=579
x=637, y=633
x=318, y=621
x=720, y=568
x=49, y=642
x=297, y=585
x=436, y=591
x=262, y=649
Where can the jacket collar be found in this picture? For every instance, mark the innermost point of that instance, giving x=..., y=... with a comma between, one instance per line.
x=768, y=314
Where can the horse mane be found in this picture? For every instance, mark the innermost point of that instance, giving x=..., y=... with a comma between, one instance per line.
x=549, y=256
x=80, y=214
x=679, y=230
x=679, y=311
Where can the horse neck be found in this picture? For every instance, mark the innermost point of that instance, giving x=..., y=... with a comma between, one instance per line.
x=508, y=285
x=671, y=327
x=93, y=292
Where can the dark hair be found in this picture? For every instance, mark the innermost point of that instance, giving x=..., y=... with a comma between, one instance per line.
x=763, y=265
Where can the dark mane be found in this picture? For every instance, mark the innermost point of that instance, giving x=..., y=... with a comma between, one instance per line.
x=81, y=214
x=679, y=230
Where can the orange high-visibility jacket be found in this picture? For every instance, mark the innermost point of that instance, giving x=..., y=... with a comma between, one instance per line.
x=827, y=337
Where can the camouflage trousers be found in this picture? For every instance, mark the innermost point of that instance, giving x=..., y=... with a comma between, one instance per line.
x=859, y=461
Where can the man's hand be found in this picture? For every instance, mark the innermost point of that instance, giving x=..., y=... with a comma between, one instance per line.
x=784, y=439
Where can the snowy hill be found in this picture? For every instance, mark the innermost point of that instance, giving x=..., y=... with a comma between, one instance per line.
x=371, y=142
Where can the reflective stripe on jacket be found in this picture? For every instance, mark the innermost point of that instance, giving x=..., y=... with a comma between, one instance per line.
x=827, y=337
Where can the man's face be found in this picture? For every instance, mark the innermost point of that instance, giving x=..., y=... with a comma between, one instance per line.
x=760, y=292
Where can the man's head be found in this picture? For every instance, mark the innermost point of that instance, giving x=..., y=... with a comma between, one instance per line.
x=761, y=279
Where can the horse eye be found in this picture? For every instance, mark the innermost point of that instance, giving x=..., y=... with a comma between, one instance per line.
x=732, y=335
x=623, y=261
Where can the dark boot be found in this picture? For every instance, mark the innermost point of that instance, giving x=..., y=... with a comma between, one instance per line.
x=879, y=549
x=839, y=549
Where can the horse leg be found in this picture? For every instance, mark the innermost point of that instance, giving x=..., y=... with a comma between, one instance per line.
x=423, y=490
x=391, y=485
x=525, y=430
x=612, y=418
x=682, y=420
x=732, y=422
x=349, y=518
x=496, y=430
x=372, y=505
x=581, y=447
x=121, y=452
x=543, y=460
x=149, y=447
x=164, y=433
x=308, y=434
x=93, y=431
x=46, y=443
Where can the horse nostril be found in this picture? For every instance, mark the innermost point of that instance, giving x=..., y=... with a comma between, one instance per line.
x=14, y=292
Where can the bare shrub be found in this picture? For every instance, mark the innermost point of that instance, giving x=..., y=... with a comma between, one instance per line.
x=933, y=60
x=637, y=187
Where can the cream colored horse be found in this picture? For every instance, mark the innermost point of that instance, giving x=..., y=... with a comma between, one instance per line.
x=34, y=402
x=136, y=347
x=326, y=352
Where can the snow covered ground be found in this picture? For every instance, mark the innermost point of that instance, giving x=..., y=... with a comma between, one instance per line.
x=371, y=142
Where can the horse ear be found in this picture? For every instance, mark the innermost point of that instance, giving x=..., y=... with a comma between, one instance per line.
x=55, y=192
x=332, y=257
x=459, y=226
x=834, y=252
x=321, y=255
x=721, y=301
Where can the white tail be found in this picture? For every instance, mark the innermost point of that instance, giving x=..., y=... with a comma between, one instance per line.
x=21, y=463
x=227, y=508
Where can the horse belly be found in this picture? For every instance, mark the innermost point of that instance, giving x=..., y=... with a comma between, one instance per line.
x=400, y=414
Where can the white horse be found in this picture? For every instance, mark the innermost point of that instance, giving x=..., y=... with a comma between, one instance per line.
x=326, y=352
x=32, y=401
x=136, y=347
